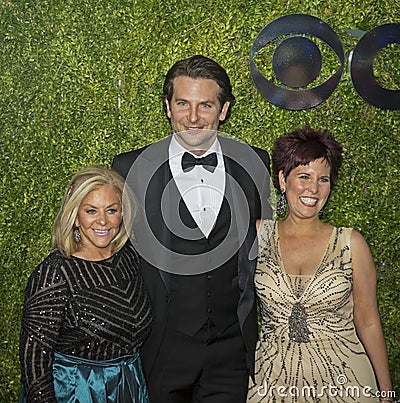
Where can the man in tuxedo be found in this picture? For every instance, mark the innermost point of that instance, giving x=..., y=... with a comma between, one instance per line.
x=201, y=194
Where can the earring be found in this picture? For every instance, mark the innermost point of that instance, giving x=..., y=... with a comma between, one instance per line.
x=76, y=234
x=320, y=213
x=281, y=204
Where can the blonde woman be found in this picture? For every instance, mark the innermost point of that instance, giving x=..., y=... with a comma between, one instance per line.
x=86, y=311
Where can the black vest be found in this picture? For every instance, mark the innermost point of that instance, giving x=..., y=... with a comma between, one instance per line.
x=213, y=295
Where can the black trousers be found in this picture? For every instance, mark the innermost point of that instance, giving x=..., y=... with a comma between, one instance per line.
x=208, y=367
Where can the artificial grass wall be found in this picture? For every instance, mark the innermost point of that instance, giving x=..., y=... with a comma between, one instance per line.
x=80, y=81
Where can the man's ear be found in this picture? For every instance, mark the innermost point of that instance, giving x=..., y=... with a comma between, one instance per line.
x=168, y=109
x=224, y=111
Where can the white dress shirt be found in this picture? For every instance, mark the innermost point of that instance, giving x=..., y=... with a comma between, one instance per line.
x=201, y=190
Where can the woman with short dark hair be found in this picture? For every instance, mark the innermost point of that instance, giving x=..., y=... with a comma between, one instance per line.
x=321, y=337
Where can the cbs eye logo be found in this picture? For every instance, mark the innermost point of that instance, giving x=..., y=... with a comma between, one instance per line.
x=295, y=77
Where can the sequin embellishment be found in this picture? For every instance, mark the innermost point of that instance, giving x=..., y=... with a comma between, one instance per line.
x=307, y=333
x=298, y=329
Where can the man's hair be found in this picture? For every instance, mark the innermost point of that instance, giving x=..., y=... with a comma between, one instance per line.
x=199, y=67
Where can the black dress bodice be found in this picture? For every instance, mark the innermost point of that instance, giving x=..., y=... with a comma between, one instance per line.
x=93, y=310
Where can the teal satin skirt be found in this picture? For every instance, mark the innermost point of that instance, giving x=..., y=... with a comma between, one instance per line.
x=120, y=380
x=77, y=380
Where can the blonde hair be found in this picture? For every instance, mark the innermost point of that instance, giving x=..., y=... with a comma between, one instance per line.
x=82, y=183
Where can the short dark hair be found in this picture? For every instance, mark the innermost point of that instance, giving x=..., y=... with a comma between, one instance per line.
x=199, y=67
x=300, y=147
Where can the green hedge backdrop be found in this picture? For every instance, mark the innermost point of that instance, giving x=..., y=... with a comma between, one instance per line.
x=80, y=81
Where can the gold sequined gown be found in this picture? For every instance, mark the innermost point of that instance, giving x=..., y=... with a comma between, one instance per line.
x=308, y=349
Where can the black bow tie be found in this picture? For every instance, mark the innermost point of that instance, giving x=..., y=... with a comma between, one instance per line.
x=209, y=162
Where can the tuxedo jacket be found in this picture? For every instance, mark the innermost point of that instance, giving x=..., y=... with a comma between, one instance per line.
x=147, y=172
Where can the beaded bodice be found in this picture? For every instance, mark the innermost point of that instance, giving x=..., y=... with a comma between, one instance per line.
x=94, y=310
x=307, y=334
x=299, y=305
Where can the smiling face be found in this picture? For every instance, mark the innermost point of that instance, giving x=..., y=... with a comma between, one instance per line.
x=307, y=188
x=195, y=112
x=99, y=218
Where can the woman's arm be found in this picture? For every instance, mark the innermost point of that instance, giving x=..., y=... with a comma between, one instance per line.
x=43, y=313
x=366, y=314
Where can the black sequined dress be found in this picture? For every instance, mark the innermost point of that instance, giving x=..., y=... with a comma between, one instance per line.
x=96, y=310
x=308, y=349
